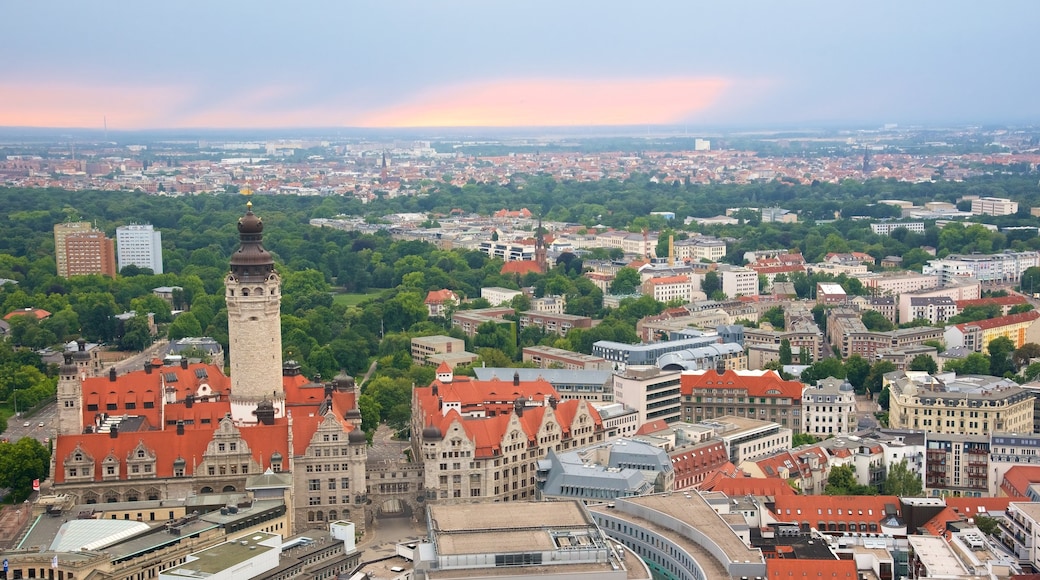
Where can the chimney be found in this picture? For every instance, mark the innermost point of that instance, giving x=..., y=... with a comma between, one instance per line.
x=189, y=401
x=113, y=431
x=112, y=374
x=148, y=368
x=184, y=363
x=180, y=427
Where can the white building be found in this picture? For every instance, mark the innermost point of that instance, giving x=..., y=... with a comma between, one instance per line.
x=738, y=281
x=993, y=206
x=650, y=391
x=497, y=296
x=886, y=228
x=139, y=245
x=1003, y=268
x=829, y=408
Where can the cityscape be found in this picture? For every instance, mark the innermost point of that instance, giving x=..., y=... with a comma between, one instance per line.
x=480, y=290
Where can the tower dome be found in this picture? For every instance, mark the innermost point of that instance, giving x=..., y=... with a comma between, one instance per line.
x=251, y=260
x=432, y=433
x=356, y=437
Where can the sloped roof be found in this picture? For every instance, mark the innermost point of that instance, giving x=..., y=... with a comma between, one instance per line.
x=440, y=297
x=1000, y=321
x=520, y=267
x=37, y=313
x=767, y=384
x=800, y=568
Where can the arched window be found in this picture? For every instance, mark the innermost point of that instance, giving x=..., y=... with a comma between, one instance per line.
x=245, y=292
x=229, y=488
x=206, y=489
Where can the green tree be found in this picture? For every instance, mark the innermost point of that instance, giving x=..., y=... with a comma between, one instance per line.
x=20, y=464
x=785, y=352
x=975, y=363
x=774, y=316
x=876, y=322
x=626, y=281
x=842, y=481
x=923, y=362
x=1024, y=354
x=136, y=334
x=885, y=398
x=799, y=439
x=711, y=283
x=823, y=368
x=901, y=481
x=1000, y=350
x=371, y=412
x=185, y=325
x=877, y=375
x=857, y=369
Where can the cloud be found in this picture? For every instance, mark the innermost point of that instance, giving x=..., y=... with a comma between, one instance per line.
x=546, y=102
x=76, y=105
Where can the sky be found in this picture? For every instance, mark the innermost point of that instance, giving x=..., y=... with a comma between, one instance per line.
x=132, y=64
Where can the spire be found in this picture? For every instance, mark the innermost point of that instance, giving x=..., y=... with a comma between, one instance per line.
x=251, y=260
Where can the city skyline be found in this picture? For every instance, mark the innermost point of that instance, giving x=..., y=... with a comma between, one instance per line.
x=126, y=66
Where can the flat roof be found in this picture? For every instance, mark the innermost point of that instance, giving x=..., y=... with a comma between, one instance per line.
x=937, y=556
x=224, y=556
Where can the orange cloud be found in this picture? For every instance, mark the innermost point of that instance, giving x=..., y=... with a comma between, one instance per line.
x=542, y=102
x=64, y=105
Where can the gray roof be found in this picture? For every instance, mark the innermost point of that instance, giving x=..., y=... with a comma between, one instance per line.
x=554, y=376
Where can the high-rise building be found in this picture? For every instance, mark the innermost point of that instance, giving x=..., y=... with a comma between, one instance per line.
x=90, y=253
x=253, y=296
x=61, y=231
x=139, y=245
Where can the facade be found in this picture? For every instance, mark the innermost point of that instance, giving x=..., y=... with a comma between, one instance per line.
x=470, y=320
x=440, y=302
x=804, y=335
x=433, y=350
x=1003, y=268
x=483, y=439
x=956, y=464
x=729, y=355
x=90, y=253
x=896, y=283
x=185, y=430
x=547, y=357
x=737, y=281
x=497, y=296
x=993, y=206
x=935, y=309
x=652, y=392
x=968, y=405
x=886, y=228
x=829, y=408
x=605, y=472
x=553, y=323
x=1009, y=450
x=253, y=297
x=957, y=289
x=61, y=231
x=977, y=335
x=763, y=395
x=669, y=288
x=553, y=540
x=850, y=336
x=594, y=386
x=621, y=354
x=139, y=245
x=699, y=248
x=830, y=294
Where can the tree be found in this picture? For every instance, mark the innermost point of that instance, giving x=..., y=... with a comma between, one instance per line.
x=923, y=362
x=885, y=398
x=901, y=481
x=20, y=464
x=823, y=368
x=975, y=363
x=370, y=412
x=987, y=525
x=1000, y=350
x=1024, y=354
x=799, y=439
x=136, y=334
x=626, y=281
x=842, y=481
x=774, y=316
x=877, y=375
x=185, y=325
x=876, y=322
x=711, y=283
x=857, y=369
x=785, y=352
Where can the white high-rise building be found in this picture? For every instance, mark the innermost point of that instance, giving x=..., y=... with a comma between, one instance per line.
x=139, y=245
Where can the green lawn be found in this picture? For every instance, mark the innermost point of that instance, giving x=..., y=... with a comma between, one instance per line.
x=354, y=299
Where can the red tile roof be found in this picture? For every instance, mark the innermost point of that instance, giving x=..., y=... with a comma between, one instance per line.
x=441, y=296
x=520, y=267
x=766, y=385
x=834, y=508
x=1011, y=300
x=959, y=509
x=1000, y=321
x=797, y=568
x=38, y=313
x=738, y=486
x=1018, y=479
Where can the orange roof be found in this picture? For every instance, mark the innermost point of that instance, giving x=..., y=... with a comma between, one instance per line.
x=765, y=385
x=440, y=297
x=836, y=508
x=39, y=313
x=1011, y=300
x=959, y=509
x=655, y=426
x=1018, y=479
x=520, y=267
x=798, y=568
x=668, y=280
x=738, y=486
x=1000, y=321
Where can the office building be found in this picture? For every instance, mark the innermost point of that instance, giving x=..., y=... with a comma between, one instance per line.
x=141, y=246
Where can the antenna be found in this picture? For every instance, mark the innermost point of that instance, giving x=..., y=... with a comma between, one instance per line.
x=105, y=117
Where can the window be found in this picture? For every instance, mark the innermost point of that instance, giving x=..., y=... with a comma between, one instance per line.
x=313, y=484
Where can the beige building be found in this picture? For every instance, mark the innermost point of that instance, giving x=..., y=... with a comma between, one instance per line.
x=433, y=350
x=61, y=231
x=548, y=357
x=964, y=405
x=829, y=408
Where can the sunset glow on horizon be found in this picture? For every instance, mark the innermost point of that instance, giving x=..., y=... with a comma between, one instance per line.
x=502, y=103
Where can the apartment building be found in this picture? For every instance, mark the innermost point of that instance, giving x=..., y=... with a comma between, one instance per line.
x=896, y=283
x=669, y=288
x=497, y=296
x=1008, y=450
x=699, y=248
x=90, y=253
x=957, y=290
x=884, y=305
x=551, y=304
x=977, y=335
x=61, y=231
x=738, y=281
x=947, y=403
x=935, y=309
x=440, y=302
x=553, y=323
x=652, y=392
x=547, y=357
x=886, y=228
x=762, y=395
x=829, y=408
x=993, y=206
x=802, y=334
x=433, y=350
x=139, y=245
x=956, y=464
x=1003, y=268
x=847, y=332
x=470, y=320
